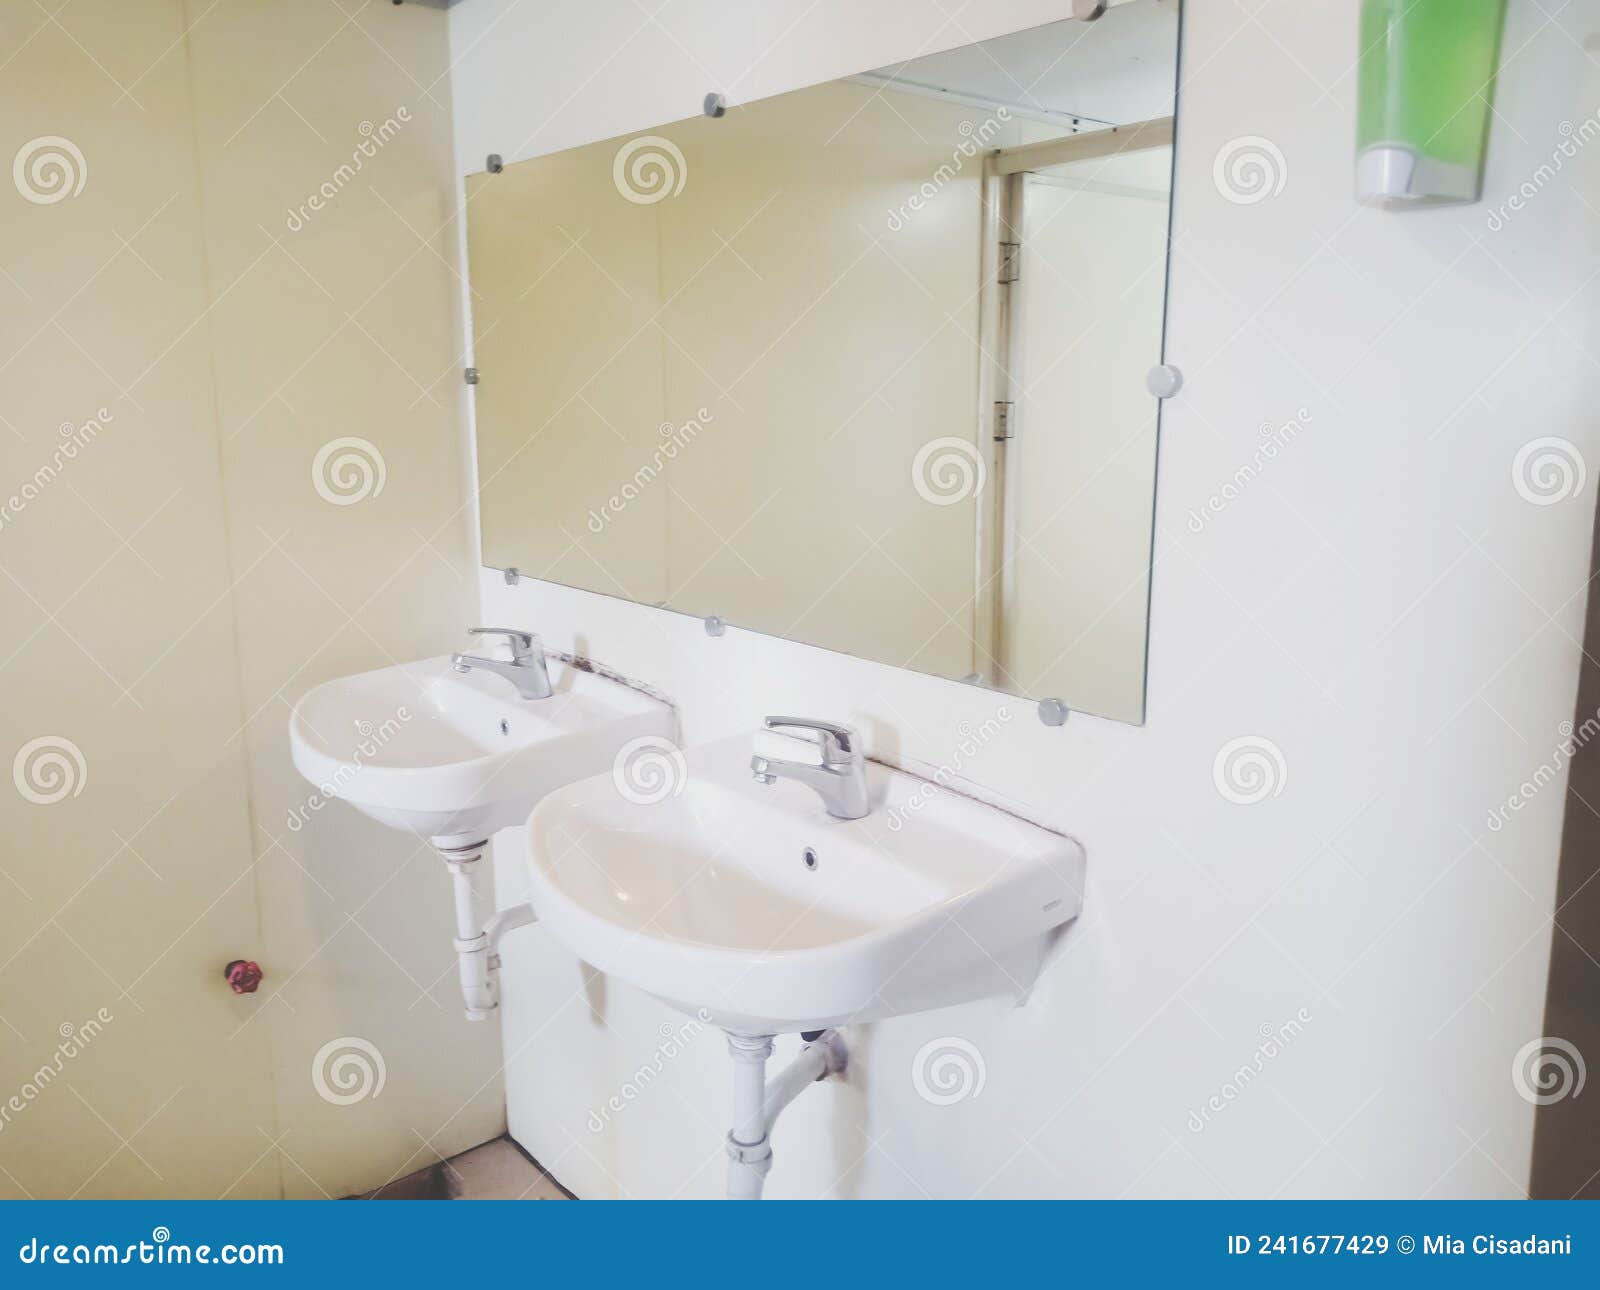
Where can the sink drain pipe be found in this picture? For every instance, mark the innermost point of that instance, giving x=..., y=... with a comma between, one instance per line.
x=477, y=941
x=757, y=1101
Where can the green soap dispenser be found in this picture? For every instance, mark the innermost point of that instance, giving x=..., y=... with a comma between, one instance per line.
x=1427, y=75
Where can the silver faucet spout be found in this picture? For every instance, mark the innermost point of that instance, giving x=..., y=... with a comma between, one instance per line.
x=526, y=670
x=841, y=777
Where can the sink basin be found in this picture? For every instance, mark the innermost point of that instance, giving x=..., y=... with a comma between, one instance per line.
x=750, y=906
x=451, y=756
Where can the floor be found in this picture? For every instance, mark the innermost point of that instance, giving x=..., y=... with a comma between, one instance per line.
x=498, y=1170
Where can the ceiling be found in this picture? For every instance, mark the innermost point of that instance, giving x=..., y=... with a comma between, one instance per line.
x=1120, y=68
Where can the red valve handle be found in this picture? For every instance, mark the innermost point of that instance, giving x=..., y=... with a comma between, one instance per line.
x=243, y=976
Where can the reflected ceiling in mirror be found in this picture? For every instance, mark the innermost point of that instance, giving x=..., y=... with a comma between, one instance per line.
x=861, y=365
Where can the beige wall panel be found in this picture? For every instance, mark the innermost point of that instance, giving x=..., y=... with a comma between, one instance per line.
x=783, y=245
x=831, y=346
x=332, y=321
x=712, y=353
x=565, y=303
x=172, y=585
x=129, y=893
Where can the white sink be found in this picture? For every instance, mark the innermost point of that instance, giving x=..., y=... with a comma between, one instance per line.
x=451, y=756
x=706, y=899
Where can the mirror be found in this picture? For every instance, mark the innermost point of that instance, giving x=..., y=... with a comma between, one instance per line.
x=862, y=365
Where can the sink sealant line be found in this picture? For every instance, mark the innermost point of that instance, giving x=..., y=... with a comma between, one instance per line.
x=594, y=668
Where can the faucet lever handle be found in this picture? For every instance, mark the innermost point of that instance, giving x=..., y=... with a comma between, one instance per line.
x=839, y=743
x=522, y=643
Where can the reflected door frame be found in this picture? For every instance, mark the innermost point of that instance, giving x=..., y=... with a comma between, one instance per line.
x=1005, y=171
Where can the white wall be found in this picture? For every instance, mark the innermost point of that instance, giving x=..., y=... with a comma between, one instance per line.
x=1379, y=602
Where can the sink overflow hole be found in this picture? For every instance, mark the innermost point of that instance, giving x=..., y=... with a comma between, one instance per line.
x=505, y=726
x=811, y=858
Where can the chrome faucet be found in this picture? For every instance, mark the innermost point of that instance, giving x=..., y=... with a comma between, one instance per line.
x=526, y=670
x=841, y=778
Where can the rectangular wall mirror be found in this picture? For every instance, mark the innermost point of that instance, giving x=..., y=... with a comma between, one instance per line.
x=862, y=365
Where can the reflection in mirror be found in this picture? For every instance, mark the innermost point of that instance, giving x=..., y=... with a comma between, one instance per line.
x=861, y=365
